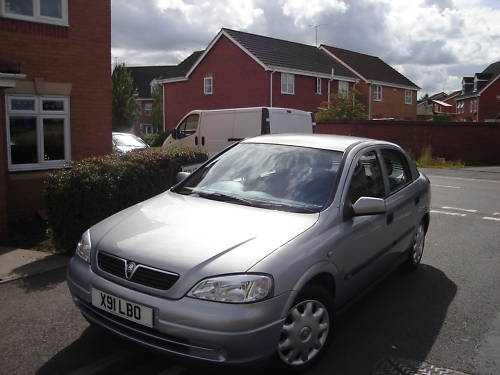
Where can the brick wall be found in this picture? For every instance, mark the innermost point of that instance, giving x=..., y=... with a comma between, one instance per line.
x=80, y=55
x=476, y=142
x=393, y=104
x=489, y=102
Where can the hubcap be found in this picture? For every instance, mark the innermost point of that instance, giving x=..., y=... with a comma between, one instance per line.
x=418, y=245
x=304, y=332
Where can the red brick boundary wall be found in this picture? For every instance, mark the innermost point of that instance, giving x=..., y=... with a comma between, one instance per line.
x=469, y=142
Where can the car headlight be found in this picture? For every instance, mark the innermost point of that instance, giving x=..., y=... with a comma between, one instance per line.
x=234, y=288
x=83, y=247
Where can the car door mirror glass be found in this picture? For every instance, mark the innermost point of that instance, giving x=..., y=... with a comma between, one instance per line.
x=181, y=176
x=368, y=206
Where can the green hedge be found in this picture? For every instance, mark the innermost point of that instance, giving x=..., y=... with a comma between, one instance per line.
x=95, y=188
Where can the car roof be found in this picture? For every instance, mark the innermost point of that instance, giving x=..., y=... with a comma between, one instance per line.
x=321, y=141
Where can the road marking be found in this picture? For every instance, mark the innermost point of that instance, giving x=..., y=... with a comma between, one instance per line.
x=447, y=213
x=447, y=186
x=458, y=209
x=491, y=218
x=462, y=178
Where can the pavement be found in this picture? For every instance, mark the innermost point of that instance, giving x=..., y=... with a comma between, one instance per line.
x=20, y=263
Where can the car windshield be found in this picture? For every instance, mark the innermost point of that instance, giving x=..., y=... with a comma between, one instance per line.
x=288, y=178
x=128, y=140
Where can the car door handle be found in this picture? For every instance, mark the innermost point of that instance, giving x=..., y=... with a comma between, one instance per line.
x=390, y=218
x=203, y=141
x=196, y=141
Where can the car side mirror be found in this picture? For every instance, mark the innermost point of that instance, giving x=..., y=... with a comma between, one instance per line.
x=368, y=206
x=181, y=176
x=174, y=133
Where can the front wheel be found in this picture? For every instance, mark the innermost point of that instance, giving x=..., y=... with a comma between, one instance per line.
x=307, y=329
x=417, y=248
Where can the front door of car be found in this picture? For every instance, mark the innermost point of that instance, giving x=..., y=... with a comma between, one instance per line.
x=186, y=131
x=363, y=239
x=402, y=200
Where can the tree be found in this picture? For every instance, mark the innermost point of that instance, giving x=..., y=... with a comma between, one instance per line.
x=342, y=107
x=125, y=108
x=157, y=113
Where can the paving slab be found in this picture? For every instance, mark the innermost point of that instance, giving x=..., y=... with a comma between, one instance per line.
x=19, y=263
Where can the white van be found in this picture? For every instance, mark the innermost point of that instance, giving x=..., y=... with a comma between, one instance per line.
x=214, y=130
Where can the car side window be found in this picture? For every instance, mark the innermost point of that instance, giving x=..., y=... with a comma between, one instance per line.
x=366, y=180
x=398, y=170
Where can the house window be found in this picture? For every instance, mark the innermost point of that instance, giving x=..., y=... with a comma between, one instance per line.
x=147, y=129
x=45, y=11
x=318, y=86
x=343, y=88
x=473, y=106
x=377, y=93
x=208, y=85
x=287, y=83
x=408, y=97
x=37, y=132
x=460, y=107
x=148, y=108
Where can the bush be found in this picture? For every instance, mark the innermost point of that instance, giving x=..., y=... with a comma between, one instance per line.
x=95, y=188
x=155, y=140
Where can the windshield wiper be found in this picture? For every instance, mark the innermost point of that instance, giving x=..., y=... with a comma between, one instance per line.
x=223, y=198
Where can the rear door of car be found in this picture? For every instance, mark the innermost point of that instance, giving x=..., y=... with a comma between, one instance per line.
x=402, y=199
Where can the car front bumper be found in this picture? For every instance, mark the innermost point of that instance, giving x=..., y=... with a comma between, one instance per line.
x=210, y=331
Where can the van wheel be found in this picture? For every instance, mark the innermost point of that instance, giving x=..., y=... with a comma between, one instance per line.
x=306, y=331
x=416, y=249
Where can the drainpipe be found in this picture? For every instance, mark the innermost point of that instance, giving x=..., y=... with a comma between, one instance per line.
x=329, y=84
x=271, y=88
x=477, y=108
x=164, y=119
x=369, y=101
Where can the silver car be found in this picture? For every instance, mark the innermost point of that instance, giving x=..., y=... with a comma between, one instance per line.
x=249, y=256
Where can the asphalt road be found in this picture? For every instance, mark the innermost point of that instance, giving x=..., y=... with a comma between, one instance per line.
x=444, y=316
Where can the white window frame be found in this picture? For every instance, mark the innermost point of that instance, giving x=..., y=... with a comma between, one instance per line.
x=377, y=93
x=37, y=16
x=318, y=85
x=288, y=83
x=208, y=85
x=40, y=115
x=343, y=88
x=408, y=97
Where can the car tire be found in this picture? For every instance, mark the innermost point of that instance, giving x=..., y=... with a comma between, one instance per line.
x=417, y=248
x=306, y=331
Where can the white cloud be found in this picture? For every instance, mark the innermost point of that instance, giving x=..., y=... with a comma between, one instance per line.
x=305, y=11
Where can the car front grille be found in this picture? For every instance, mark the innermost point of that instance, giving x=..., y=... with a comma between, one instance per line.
x=144, y=275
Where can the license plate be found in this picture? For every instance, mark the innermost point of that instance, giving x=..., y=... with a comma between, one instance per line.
x=123, y=308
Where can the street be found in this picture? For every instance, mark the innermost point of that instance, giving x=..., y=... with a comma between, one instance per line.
x=443, y=316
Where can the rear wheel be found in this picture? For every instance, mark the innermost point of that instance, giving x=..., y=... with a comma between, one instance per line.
x=307, y=329
x=417, y=248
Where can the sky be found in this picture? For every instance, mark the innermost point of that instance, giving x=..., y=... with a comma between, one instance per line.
x=432, y=42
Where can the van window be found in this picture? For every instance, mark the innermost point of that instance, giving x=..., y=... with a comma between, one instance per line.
x=188, y=126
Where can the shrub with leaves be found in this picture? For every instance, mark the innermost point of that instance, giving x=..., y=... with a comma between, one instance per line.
x=342, y=107
x=95, y=188
x=155, y=140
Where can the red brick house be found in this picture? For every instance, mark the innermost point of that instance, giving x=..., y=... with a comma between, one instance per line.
x=385, y=92
x=480, y=97
x=55, y=94
x=240, y=69
x=145, y=77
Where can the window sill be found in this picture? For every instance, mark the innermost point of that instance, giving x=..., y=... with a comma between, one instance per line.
x=288, y=93
x=39, y=167
x=36, y=20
